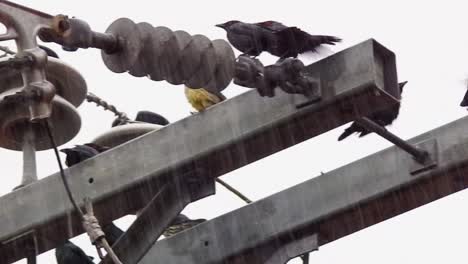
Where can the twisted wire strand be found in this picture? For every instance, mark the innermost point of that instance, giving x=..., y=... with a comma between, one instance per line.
x=90, y=97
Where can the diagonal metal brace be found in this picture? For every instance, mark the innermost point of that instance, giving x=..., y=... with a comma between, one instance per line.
x=158, y=214
x=418, y=154
x=425, y=153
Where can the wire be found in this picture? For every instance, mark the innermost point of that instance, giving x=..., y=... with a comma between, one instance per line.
x=84, y=218
x=62, y=172
x=90, y=97
x=233, y=190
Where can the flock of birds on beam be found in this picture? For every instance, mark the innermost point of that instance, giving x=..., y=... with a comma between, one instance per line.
x=281, y=41
x=251, y=39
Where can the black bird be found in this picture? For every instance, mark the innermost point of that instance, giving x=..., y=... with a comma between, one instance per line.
x=82, y=152
x=152, y=118
x=181, y=223
x=112, y=233
x=273, y=37
x=69, y=253
x=383, y=118
x=147, y=117
x=49, y=51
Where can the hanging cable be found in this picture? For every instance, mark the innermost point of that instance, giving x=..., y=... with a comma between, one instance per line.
x=90, y=222
x=62, y=172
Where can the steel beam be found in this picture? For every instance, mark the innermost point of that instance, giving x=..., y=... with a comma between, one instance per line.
x=157, y=216
x=332, y=205
x=232, y=134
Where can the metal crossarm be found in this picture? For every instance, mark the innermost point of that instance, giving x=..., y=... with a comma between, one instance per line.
x=333, y=205
x=232, y=134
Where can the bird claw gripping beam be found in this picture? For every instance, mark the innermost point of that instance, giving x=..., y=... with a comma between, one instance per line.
x=287, y=74
x=23, y=25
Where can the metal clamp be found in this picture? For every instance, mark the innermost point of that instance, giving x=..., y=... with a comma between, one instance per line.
x=287, y=74
x=74, y=33
x=22, y=25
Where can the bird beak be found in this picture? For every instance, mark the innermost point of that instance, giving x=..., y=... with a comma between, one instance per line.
x=221, y=26
x=66, y=151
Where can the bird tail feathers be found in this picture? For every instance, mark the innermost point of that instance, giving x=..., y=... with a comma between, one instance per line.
x=319, y=53
x=348, y=131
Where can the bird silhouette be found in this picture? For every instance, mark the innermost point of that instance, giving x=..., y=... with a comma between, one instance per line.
x=80, y=153
x=383, y=118
x=69, y=253
x=181, y=223
x=145, y=116
x=201, y=99
x=273, y=37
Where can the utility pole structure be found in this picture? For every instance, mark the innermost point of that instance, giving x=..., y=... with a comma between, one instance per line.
x=195, y=150
x=178, y=164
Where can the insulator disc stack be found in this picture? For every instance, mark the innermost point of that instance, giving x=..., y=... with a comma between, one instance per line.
x=175, y=56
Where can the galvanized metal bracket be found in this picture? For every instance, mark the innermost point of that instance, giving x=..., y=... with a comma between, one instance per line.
x=430, y=147
x=26, y=241
x=315, y=94
x=198, y=185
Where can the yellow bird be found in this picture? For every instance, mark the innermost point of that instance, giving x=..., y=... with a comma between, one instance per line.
x=201, y=99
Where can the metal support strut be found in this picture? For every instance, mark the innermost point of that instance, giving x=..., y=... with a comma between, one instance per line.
x=419, y=155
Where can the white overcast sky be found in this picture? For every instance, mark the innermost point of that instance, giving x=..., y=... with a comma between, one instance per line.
x=431, y=45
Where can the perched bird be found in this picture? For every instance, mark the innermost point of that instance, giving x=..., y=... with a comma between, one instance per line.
x=82, y=152
x=147, y=117
x=112, y=233
x=69, y=253
x=181, y=223
x=152, y=118
x=273, y=37
x=49, y=51
x=201, y=99
x=383, y=118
